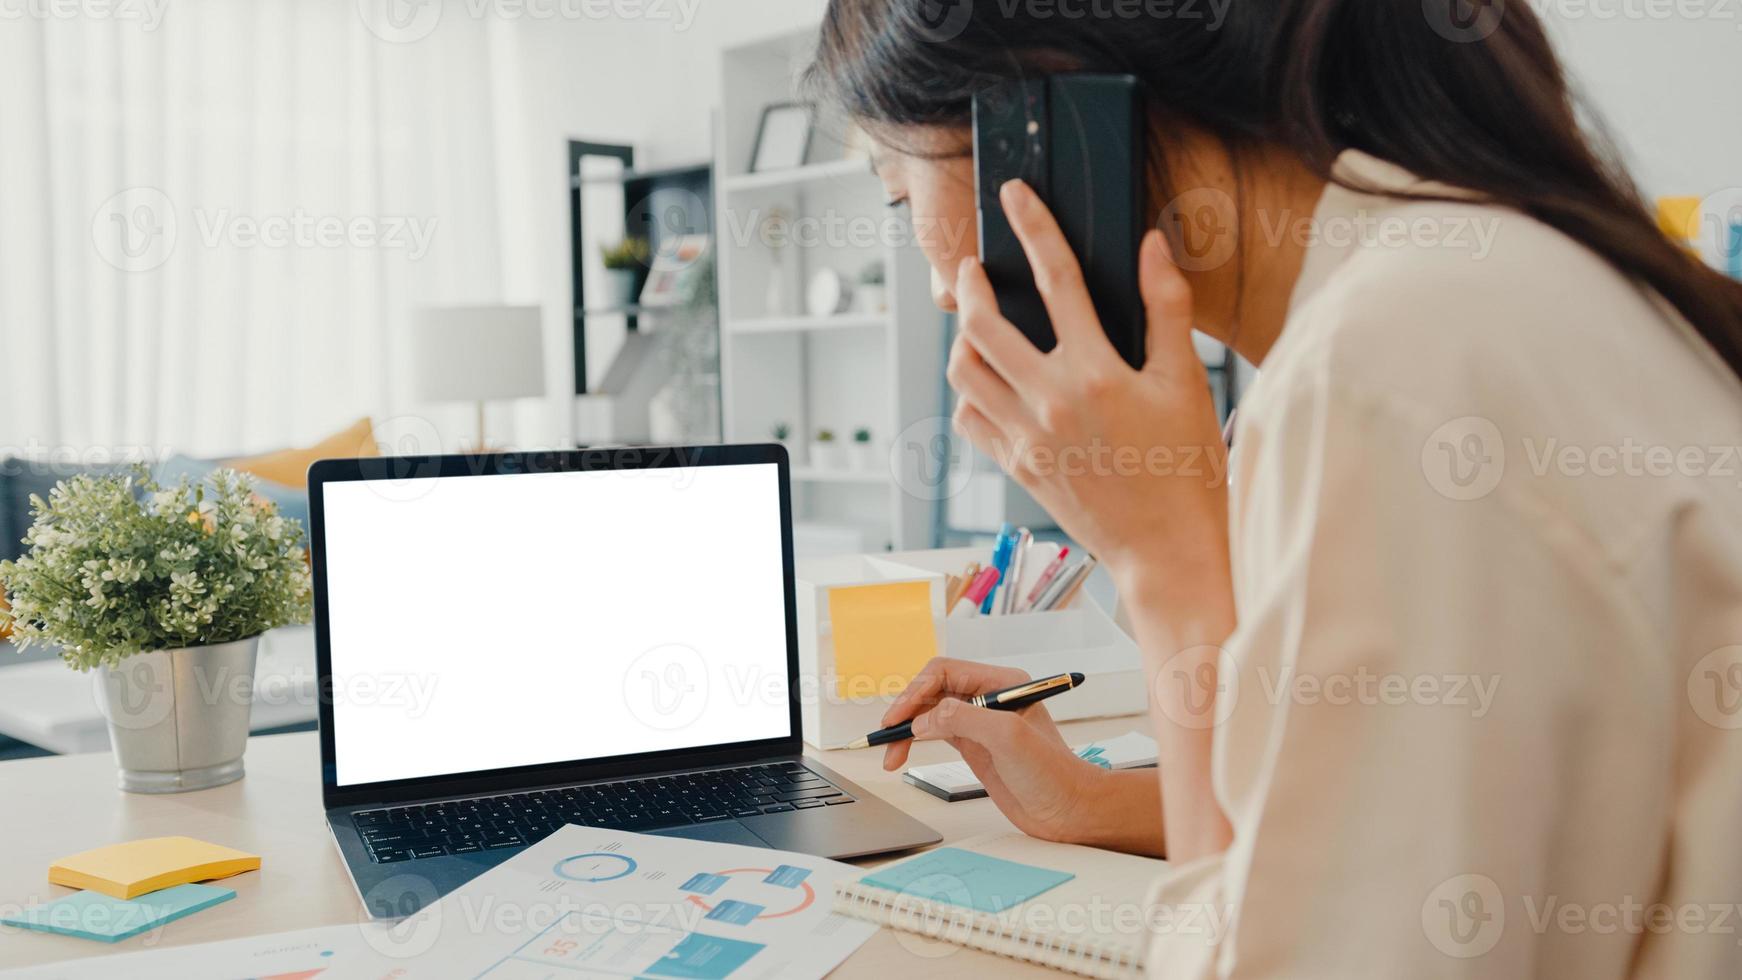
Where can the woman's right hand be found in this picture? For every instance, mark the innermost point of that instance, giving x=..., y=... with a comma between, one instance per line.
x=1019, y=756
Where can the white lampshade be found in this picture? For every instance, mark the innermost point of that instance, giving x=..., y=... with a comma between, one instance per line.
x=477, y=353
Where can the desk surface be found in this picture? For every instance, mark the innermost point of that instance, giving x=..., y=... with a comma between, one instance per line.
x=60, y=806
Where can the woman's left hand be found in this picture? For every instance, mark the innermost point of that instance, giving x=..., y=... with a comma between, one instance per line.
x=1130, y=462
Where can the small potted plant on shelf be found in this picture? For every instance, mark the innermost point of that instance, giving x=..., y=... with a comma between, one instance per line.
x=782, y=433
x=872, y=296
x=865, y=455
x=164, y=592
x=825, y=452
x=623, y=261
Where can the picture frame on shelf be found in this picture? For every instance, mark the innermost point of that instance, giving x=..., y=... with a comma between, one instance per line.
x=783, y=137
x=670, y=262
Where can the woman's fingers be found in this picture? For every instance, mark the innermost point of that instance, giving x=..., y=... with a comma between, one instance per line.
x=1057, y=274
x=944, y=677
x=953, y=719
x=1167, y=304
x=985, y=435
x=1011, y=354
x=969, y=375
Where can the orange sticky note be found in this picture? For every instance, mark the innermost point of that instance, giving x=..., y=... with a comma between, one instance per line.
x=883, y=636
x=141, y=866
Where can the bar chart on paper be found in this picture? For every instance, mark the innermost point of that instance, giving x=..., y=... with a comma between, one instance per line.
x=612, y=904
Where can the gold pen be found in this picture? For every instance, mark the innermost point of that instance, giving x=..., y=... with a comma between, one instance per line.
x=1009, y=699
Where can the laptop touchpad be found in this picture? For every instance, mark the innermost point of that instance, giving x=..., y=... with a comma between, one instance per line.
x=723, y=831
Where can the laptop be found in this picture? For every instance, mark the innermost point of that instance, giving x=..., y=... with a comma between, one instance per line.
x=507, y=643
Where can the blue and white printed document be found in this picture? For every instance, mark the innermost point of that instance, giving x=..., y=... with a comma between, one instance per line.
x=605, y=903
x=583, y=903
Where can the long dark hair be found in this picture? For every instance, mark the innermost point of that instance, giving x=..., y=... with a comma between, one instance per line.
x=1468, y=93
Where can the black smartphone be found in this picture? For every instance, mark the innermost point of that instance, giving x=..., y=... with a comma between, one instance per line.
x=1078, y=140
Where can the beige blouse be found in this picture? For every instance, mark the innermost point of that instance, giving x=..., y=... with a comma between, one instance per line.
x=1487, y=540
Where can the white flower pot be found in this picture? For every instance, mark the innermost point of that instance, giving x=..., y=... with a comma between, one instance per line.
x=178, y=719
x=828, y=455
x=868, y=456
x=619, y=291
x=871, y=298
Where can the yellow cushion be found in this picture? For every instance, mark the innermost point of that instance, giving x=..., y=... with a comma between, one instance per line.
x=289, y=467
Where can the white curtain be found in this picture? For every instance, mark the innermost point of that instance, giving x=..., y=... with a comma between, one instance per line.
x=215, y=216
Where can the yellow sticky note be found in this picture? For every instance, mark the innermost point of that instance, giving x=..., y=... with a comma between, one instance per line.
x=142, y=866
x=883, y=636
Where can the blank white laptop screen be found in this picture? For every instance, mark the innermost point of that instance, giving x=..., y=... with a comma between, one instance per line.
x=483, y=622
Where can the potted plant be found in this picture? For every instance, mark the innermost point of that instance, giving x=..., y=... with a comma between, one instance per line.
x=872, y=296
x=623, y=261
x=865, y=455
x=825, y=452
x=165, y=592
x=782, y=433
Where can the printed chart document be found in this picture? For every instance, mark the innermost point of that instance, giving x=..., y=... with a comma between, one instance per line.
x=583, y=903
x=601, y=903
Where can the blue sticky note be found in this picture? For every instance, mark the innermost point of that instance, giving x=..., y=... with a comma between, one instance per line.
x=93, y=915
x=787, y=876
x=736, y=912
x=703, y=883
x=952, y=876
x=703, y=957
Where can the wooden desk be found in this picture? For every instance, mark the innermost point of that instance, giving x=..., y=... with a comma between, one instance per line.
x=60, y=806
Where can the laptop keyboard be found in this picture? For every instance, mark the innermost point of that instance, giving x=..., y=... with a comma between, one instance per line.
x=405, y=833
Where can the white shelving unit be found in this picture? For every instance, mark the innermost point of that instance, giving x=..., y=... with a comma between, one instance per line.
x=874, y=369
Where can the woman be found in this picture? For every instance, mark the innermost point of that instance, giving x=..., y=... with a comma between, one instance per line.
x=1448, y=682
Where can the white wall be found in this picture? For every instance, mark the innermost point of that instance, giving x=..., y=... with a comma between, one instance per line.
x=1669, y=90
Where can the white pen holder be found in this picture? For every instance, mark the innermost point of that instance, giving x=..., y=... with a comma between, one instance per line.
x=832, y=716
x=1080, y=638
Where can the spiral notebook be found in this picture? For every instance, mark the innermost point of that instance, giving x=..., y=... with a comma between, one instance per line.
x=1057, y=905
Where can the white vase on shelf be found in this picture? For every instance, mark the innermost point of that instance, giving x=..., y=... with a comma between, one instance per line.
x=828, y=454
x=868, y=456
x=774, y=294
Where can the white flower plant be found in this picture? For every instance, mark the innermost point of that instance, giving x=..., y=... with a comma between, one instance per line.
x=118, y=565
